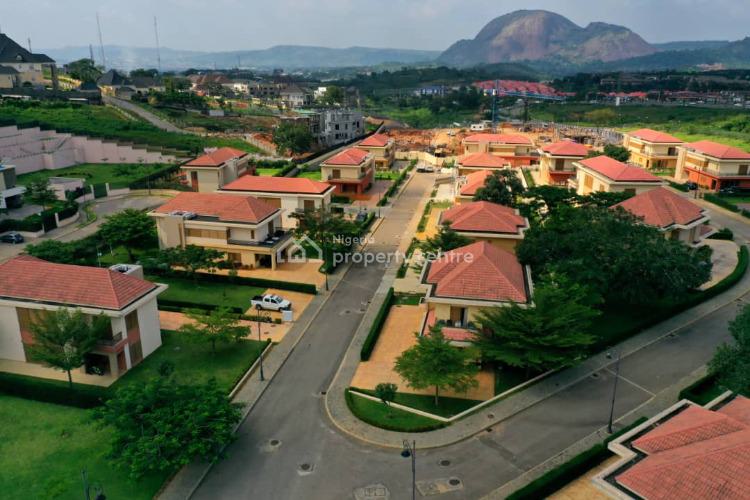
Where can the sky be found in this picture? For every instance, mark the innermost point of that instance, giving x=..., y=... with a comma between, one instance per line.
x=216, y=25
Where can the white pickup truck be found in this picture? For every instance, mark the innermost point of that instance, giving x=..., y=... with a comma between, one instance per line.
x=270, y=302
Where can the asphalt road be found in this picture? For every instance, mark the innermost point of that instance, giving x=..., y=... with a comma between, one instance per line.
x=314, y=461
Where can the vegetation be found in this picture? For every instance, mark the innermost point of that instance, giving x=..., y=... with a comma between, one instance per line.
x=119, y=174
x=130, y=228
x=218, y=325
x=334, y=234
x=63, y=338
x=731, y=363
x=618, y=153
x=191, y=292
x=386, y=392
x=84, y=70
x=447, y=408
x=434, y=362
x=191, y=258
x=502, y=187
x=162, y=425
x=551, y=334
x=376, y=327
x=445, y=239
x=292, y=137
x=40, y=192
x=387, y=417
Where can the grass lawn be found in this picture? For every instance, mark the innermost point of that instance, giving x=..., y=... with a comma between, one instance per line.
x=385, y=417
x=97, y=173
x=406, y=299
x=314, y=175
x=447, y=407
x=194, y=362
x=44, y=447
x=389, y=175
x=204, y=292
x=268, y=172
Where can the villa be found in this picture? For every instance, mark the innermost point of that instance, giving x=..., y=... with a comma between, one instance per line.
x=31, y=288
x=214, y=169
x=556, y=164
x=350, y=172
x=466, y=186
x=515, y=149
x=381, y=147
x=495, y=224
x=603, y=173
x=652, y=149
x=713, y=166
x=247, y=230
x=480, y=161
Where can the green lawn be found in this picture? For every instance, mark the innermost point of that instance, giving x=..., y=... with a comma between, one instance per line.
x=314, y=175
x=406, y=299
x=97, y=173
x=44, y=447
x=385, y=417
x=194, y=362
x=447, y=407
x=268, y=172
x=204, y=292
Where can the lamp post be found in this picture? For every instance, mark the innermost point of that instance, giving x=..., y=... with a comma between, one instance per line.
x=614, y=392
x=259, y=310
x=410, y=450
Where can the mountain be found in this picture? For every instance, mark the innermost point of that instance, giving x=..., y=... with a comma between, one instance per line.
x=280, y=56
x=691, y=45
x=531, y=35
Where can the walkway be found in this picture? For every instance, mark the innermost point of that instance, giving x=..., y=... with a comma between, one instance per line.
x=146, y=115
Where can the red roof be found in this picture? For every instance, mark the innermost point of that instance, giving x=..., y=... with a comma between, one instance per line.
x=662, y=208
x=654, y=136
x=482, y=160
x=698, y=453
x=499, y=138
x=618, y=171
x=478, y=271
x=351, y=156
x=566, y=148
x=474, y=181
x=484, y=216
x=216, y=158
x=717, y=150
x=225, y=207
x=376, y=140
x=29, y=278
x=291, y=185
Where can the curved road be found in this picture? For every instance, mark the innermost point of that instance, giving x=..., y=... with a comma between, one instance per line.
x=312, y=460
x=146, y=115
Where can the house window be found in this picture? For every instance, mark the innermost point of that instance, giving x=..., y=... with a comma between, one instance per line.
x=206, y=233
x=336, y=173
x=742, y=170
x=629, y=191
x=136, y=353
x=309, y=204
x=588, y=181
x=559, y=164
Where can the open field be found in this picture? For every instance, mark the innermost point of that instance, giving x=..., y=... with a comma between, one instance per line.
x=96, y=173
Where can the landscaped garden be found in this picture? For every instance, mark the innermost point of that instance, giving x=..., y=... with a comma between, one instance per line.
x=189, y=291
x=97, y=173
x=387, y=417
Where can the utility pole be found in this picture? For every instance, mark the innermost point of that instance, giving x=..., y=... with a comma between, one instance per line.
x=101, y=43
x=614, y=393
x=158, y=51
x=29, y=42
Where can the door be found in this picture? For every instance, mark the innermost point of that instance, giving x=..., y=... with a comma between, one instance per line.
x=194, y=180
x=122, y=364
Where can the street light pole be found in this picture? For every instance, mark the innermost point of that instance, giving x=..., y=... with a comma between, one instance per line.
x=410, y=450
x=259, y=310
x=614, y=394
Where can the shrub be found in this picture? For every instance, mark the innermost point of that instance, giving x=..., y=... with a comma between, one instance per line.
x=52, y=391
x=376, y=327
x=679, y=186
x=259, y=282
x=179, y=305
x=425, y=217
x=722, y=234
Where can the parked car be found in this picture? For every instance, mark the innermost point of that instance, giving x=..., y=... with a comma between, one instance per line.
x=11, y=237
x=732, y=190
x=425, y=168
x=692, y=186
x=270, y=302
x=360, y=217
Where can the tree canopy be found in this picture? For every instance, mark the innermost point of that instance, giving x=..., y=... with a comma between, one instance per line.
x=614, y=254
x=330, y=231
x=192, y=258
x=84, y=70
x=130, y=228
x=731, y=362
x=502, y=187
x=218, y=325
x=40, y=192
x=293, y=137
x=444, y=240
x=618, y=153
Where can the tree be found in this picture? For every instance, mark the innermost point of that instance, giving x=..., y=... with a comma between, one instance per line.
x=63, y=338
x=84, y=70
x=333, y=95
x=619, y=153
x=541, y=201
x=52, y=251
x=293, y=137
x=603, y=199
x=603, y=116
x=551, y=334
x=161, y=425
x=386, y=391
x=613, y=254
x=40, y=193
x=330, y=231
x=142, y=72
x=445, y=239
x=503, y=187
x=192, y=258
x=434, y=362
x=731, y=363
x=130, y=228
x=218, y=325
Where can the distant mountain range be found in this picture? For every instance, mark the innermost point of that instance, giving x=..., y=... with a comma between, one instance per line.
x=289, y=57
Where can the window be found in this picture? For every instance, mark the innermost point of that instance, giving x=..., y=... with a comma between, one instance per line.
x=218, y=234
x=742, y=170
x=559, y=164
x=630, y=191
x=131, y=323
x=136, y=353
x=309, y=204
x=588, y=181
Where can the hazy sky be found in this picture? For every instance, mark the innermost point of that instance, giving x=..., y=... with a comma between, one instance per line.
x=423, y=24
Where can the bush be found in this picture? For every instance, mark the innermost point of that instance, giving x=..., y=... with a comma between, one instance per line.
x=337, y=198
x=574, y=468
x=99, y=190
x=679, y=186
x=702, y=391
x=68, y=211
x=722, y=234
x=284, y=171
x=52, y=391
x=148, y=180
x=425, y=217
x=180, y=305
x=258, y=282
x=32, y=224
x=724, y=203
x=377, y=325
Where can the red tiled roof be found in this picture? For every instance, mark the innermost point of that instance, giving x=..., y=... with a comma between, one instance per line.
x=474, y=181
x=226, y=207
x=499, y=138
x=376, y=140
x=277, y=185
x=478, y=271
x=482, y=160
x=654, y=136
x=717, y=150
x=566, y=148
x=662, y=208
x=351, y=156
x=29, y=278
x=216, y=158
x=738, y=409
x=484, y=216
x=618, y=171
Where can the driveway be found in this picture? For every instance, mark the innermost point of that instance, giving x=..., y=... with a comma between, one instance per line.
x=146, y=115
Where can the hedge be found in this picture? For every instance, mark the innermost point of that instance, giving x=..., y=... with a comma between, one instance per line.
x=99, y=190
x=557, y=478
x=258, y=282
x=285, y=170
x=722, y=234
x=180, y=305
x=32, y=224
x=376, y=327
x=679, y=186
x=701, y=391
x=425, y=217
x=147, y=180
x=52, y=391
x=394, y=187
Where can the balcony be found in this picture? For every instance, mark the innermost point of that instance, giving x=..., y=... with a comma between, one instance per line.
x=112, y=344
x=278, y=237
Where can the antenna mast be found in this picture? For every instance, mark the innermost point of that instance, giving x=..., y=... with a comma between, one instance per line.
x=101, y=44
x=29, y=40
x=91, y=54
x=158, y=52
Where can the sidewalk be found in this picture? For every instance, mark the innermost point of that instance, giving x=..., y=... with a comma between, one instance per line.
x=494, y=414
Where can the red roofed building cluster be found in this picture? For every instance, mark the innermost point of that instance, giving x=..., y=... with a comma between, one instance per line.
x=467, y=186
x=513, y=149
x=713, y=166
x=351, y=171
x=382, y=149
x=652, y=149
x=602, y=173
x=516, y=86
x=688, y=451
x=211, y=171
x=556, y=162
x=31, y=288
